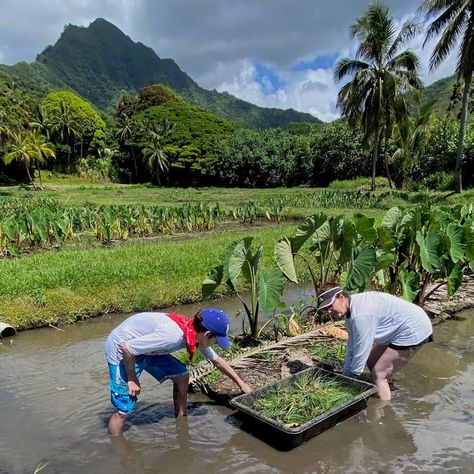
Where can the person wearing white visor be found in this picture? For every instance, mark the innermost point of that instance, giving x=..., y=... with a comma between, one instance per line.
x=385, y=332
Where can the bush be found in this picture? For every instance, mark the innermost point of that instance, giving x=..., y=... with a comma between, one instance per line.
x=439, y=181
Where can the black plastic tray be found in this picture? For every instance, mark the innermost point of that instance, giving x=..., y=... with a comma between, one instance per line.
x=283, y=437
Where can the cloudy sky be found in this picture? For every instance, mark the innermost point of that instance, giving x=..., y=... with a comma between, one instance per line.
x=274, y=53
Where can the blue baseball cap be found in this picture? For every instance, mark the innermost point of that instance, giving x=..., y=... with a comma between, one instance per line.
x=216, y=321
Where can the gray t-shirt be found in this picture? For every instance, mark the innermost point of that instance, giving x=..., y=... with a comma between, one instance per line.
x=148, y=333
x=381, y=318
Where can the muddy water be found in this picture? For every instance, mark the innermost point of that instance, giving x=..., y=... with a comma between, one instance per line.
x=54, y=409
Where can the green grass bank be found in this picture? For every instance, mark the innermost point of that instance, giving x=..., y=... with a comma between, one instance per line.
x=61, y=287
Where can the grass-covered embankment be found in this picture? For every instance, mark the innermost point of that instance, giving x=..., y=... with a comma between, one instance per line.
x=60, y=287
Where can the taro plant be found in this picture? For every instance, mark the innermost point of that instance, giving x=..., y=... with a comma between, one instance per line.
x=423, y=248
x=335, y=250
x=241, y=263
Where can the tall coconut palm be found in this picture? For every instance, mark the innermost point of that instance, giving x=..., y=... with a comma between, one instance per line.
x=44, y=151
x=382, y=74
x=124, y=133
x=155, y=155
x=65, y=126
x=455, y=21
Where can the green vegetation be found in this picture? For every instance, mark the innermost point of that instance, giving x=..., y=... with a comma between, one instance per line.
x=100, y=62
x=266, y=286
x=382, y=76
x=403, y=254
x=61, y=287
x=303, y=399
x=454, y=24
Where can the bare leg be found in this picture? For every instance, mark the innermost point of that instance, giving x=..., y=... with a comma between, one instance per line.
x=116, y=422
x=180, y=394
x=391, y=361
x=375, y=353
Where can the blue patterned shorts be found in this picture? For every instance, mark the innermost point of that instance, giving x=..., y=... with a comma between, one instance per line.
x=161, y=367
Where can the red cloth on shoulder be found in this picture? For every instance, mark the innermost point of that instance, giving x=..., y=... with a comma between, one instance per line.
x=186, y=325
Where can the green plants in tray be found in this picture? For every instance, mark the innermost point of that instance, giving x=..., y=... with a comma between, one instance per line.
x=304, y=399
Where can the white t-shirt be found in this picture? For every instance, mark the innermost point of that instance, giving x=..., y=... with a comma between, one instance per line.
x=381, y=318
x=148, y=333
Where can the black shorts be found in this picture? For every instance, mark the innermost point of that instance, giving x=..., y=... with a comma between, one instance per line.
x=416, y=346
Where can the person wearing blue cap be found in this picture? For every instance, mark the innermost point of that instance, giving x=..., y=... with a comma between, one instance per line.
x=145, y=341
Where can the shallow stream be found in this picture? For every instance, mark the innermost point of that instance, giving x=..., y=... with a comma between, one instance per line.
x=54, y=410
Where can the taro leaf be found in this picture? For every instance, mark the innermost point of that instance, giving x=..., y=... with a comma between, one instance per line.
x=234, y=258
x=455, y=276
x=252, y=262
x=384, y=260
x=392, y=218
x=346, y=235
x=322, y=233
x=212, y=281
x=270, y=289
x=365, y=227
x=386, y=239
x=455, y=233
x=306, y=230
x=10, y=228
x=410, y=284
x=466, y=212
x=430, y=249
x=442, y=217
x=361, y=268
x=408, y=217
x=469, y=239
x=284, y=259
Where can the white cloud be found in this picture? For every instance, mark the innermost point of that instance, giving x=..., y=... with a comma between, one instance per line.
x=217, y=42
x=310, y=91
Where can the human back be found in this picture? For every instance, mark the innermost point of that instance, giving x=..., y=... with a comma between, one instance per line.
x=397, y=320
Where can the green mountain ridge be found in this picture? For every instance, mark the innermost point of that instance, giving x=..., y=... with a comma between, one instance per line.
x=100, y=63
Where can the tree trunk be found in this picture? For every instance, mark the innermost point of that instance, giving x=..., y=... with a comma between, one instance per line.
x=375, y=156
x=40, y=178
x=135, y=164
x=387, y=169
x=29, y=176
x=462, y=128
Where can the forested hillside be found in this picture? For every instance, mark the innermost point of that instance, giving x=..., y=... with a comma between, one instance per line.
x=100, y=63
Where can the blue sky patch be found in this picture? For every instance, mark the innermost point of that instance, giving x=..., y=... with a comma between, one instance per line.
x=269, y=80
x=324, y=61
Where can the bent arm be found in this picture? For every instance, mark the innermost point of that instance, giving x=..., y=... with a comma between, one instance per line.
x=129, y=364
x=225, y=368
x=360, y=344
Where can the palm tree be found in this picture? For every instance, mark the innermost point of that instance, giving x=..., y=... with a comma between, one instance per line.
x=44, y=150
x=27, y=148
x=382, y=74
x=41, y=121
x=455, y=19
x=411, y=140
x=155, y=156
x=125, y=132
x=65, y=126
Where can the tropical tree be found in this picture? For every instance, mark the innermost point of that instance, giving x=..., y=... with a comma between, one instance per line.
x=455, y=21
x=155, y=156
x=411, y=139
x=28, y=148
x=382, y=73
x=44, y=150
x=125, y=133
x=65, y=126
